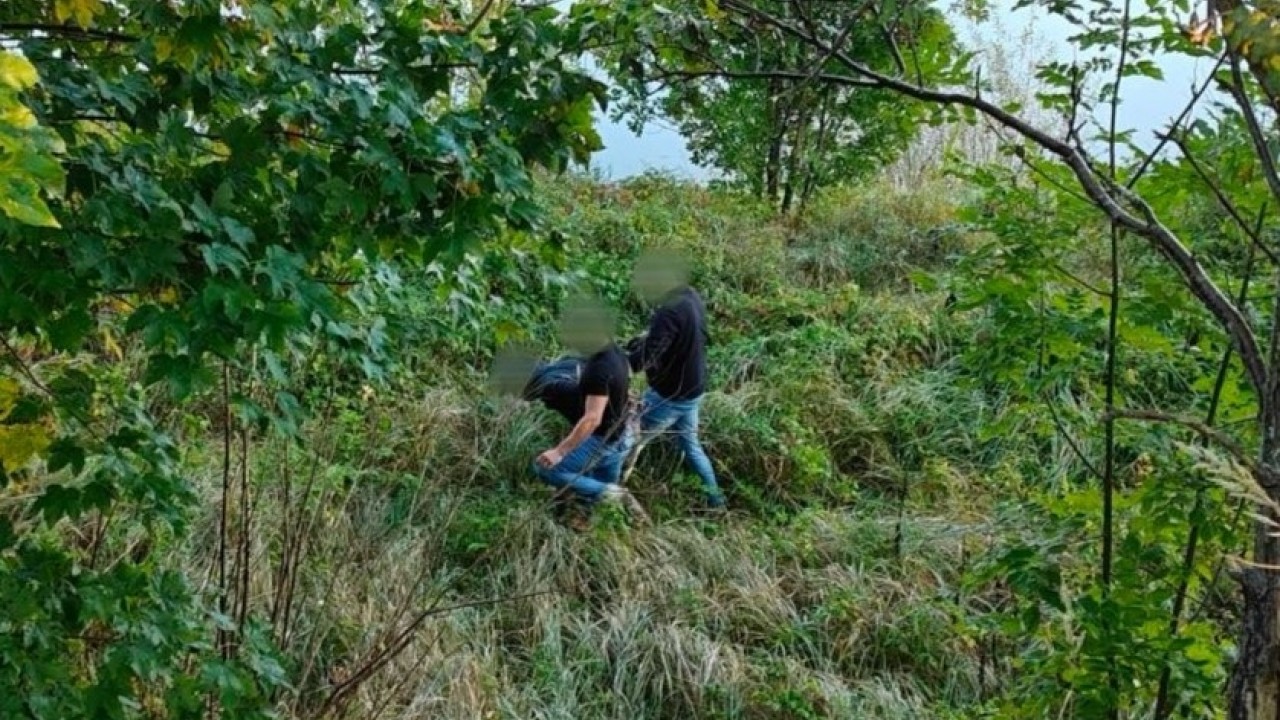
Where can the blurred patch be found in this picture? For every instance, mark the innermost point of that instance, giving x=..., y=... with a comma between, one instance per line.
x=586, y=325
x=658, y=271
x=512, y=369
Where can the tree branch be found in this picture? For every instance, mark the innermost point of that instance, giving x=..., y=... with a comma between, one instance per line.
x=1174, y=126
x=1080, y=281
x=1098, y=188
x=1223, y=200
x=1260, y=146
x=1071, y=442
x=479, y=18
x=664, y=73
x=891, y=42
x=69, y=31
x=1267, y=477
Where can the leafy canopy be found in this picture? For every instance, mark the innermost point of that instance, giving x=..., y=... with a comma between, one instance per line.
x=196, y=181
x=780, y=134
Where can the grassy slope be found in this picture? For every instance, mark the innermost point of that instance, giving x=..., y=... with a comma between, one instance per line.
x=823, y=595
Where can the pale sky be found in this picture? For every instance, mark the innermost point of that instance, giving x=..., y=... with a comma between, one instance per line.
x=1147, y=105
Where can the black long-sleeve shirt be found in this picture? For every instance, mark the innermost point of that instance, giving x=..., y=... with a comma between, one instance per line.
x=673, y=354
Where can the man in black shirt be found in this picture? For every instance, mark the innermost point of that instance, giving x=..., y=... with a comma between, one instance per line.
x=673, y=355
x=592, y=395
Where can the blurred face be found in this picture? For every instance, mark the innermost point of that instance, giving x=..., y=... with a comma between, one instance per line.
x=586, y=326
x=512, y=368
x=657, y=273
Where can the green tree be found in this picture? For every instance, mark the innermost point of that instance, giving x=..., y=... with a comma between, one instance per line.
x=780, y=136
x=224, y=164
x=1085, y=162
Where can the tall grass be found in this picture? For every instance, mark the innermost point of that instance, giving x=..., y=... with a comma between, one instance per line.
x=852, y=458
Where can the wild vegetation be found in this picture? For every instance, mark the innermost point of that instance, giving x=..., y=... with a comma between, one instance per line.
x=999, y=441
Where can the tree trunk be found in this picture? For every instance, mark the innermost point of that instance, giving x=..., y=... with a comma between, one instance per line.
x=773, y=159
x=768, y=178
x=819, y=150
x=799, y=151
x=1254, y=689
x=1255, y=682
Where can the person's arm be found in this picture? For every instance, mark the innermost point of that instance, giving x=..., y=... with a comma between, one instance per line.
x=634, y=350
x=590, y=420
x=662, y=332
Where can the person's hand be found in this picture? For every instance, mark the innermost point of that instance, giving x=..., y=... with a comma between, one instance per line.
x=550, y=458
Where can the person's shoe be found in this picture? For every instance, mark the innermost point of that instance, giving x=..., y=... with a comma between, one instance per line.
x=620, y=495
x=716, y=503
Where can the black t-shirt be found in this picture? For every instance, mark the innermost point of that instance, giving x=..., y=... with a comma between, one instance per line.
x=606, y=373
x=673, y=354
x=564, y=384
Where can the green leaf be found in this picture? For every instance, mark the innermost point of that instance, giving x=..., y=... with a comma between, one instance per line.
x=68, y=330
x=20, y=443
x=59, y=501
x=219, y=256
x=82, y=11
x=16, y=72
x=66, y=453
x=22, y=203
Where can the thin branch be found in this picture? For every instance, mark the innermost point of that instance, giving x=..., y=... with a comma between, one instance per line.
x=1037, y=170
x=1077, y=99
x=224, y=645
x=891, y=42
x=1098, y=188
x=479, y=18
x=1224, y=201
x=1260, y=145
x=1080, y=281
x=1266, y=477
x=836, y=46
x=664, y=73
x=1163, y=138
x=23, y=367
x=69, y=31
x=377, y=72
x=77, y=413
x=1075, y=448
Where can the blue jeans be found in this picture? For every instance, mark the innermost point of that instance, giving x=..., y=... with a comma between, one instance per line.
x=589, y=469
x=680, y=418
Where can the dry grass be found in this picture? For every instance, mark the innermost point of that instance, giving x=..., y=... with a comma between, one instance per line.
x=816, y=617
x=410, y=516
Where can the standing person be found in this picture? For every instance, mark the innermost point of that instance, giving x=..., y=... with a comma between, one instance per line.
x=673, y=355
x=591, y=394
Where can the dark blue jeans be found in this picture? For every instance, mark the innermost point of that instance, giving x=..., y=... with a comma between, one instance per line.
x=589, y=469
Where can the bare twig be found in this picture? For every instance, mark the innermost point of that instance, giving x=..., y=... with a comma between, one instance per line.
x=1255, y=236
x=224, y=511
x=1261, y=147
x=1266, y=477
x=1071, y=443
x=1080, y=281
x=1163, y=138
x=760, y=75
x=68, y=31
x=479, y=18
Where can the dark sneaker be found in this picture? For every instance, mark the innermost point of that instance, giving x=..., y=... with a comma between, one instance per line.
x=716, y=503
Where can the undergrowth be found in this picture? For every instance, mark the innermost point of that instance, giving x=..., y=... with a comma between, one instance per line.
x=869, y=474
